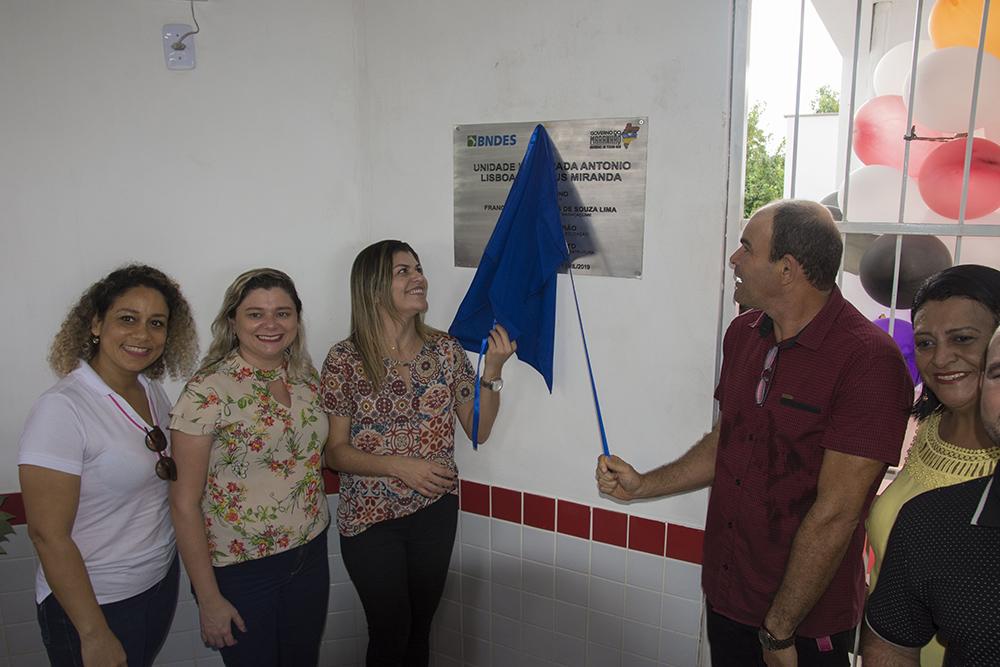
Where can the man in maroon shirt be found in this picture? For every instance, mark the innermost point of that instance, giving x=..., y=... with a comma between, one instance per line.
x=814, y=401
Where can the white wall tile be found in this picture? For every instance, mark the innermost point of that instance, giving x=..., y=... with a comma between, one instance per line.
x=537, y=641
x=607, y=596
x=185, y=617
x=506, y=601
x=23, y=638
x=503, y=656
x=570, y=651
x=506, y=632
x=476, y=592
x=17, y=574
x=642, y=605
x=633, y=660
x=506, y=537
x=29, y=660
x=475, y=562
x=341, y=597
x=571, y=587
x=573, y=553
x=452, y=587
x=683, y=579
x=605, y=629
x=475, y=530
x=476, y=623
x=608, y=562
x=475, y=652
x=641, y=639
x=681, y=615
x=448, y=643
x=678, y=650
x=340, y=625
x=571, y=619
x=599, y=655
x=338, y=572
x=339, y=653
x=506, y=570
x=17, y=607
x=179, y=646
x=538, y=578
x=449, y=615
x=644, y=571
x=538, y=611
x=539, y=545
x=455, y=562
x=18, y=544
x=439, y=660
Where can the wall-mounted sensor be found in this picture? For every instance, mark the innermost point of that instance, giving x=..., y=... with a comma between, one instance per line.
x=178, y=46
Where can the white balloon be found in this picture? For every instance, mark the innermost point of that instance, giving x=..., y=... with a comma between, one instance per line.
x=893, y=70
x=874, y=197
x=943, y=95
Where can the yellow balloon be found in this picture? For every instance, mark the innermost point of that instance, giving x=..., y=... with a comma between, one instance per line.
x=957, y=23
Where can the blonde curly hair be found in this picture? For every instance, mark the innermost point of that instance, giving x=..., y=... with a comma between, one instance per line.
x=74, y=342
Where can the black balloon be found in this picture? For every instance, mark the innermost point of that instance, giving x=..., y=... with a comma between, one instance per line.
x=920, y=258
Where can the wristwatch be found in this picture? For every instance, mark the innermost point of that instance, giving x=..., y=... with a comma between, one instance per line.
x=496, y=384
x=772, y=643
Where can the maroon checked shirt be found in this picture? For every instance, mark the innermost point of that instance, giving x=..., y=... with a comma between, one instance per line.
x=842, y=385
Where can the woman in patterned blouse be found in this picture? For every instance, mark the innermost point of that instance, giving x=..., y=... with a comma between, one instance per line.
x=392, y=390
x=249, y=507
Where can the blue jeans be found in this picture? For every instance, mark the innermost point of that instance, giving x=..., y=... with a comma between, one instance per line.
x=282, y=599
x=140, y=623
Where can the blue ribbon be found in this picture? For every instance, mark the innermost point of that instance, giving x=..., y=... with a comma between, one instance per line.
x=475, y=400
x=590, y=369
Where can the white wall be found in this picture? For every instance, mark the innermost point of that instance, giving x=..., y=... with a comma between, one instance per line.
x=311, y=128
x=250, y=159
x=431, y=66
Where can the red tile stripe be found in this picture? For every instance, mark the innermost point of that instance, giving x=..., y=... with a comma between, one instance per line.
x=606, y=526
x=475, y=497
x=610, y=527
x=506, y=504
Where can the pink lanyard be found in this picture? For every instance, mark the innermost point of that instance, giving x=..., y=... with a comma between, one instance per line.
x=128, y=417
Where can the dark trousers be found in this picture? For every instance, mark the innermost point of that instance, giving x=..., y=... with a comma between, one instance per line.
x=282, y=599
x=736, y=645
x=140, y=623
x=399, y=568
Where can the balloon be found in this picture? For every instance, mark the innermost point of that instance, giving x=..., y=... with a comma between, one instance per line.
x=874, y=197
x=940, y=179
x=830, y=200
x=879, y=126
x=943, y=96
x=889, y=77
x=958, y=22
x=902, y=333
x=921, y=257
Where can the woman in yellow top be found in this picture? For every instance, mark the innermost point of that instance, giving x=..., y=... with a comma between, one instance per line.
x=248, y=506
x=955, y=312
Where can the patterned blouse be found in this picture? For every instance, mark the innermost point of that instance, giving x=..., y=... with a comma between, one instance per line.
x=418, y=421
x=264, y=493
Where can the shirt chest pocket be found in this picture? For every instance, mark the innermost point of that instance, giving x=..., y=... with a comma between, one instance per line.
x=799, y=416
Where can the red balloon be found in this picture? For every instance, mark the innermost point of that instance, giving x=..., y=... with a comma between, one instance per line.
x=879, y=126
x=940, y=179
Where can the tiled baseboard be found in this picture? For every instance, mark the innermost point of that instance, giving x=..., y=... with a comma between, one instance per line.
x=533, y=582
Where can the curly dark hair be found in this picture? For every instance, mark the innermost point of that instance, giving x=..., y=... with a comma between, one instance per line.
x=73, y=342
x=968, y=281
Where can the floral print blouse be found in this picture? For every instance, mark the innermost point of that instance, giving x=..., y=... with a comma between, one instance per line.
x=264, y=493
x=417, y=421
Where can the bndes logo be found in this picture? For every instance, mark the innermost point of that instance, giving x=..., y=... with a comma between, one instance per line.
x=485, y=140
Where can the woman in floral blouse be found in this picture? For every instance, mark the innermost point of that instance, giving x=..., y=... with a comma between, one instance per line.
x=248, y=506
x=392, y=390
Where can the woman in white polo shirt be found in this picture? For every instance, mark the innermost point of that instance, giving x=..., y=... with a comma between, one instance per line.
x=95, y=468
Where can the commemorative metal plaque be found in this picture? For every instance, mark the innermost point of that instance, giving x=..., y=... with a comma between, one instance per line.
x=601, y=179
